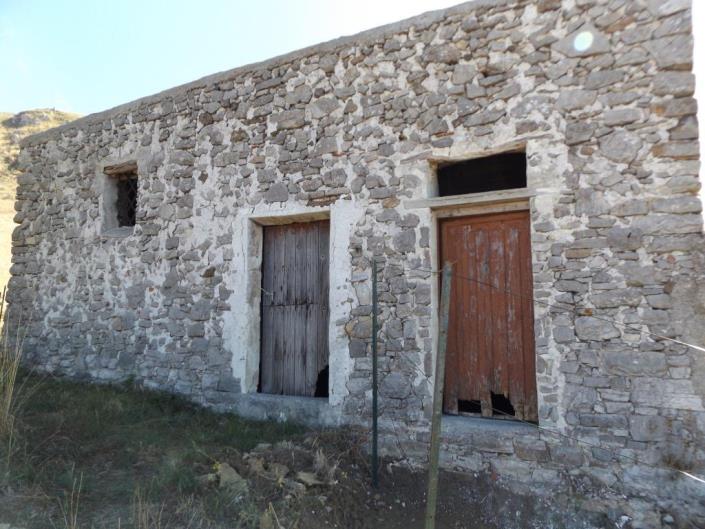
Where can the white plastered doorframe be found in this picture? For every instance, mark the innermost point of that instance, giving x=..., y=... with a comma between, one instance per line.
x=241, y=331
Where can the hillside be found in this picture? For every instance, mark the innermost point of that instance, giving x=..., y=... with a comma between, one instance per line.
x=14, y=127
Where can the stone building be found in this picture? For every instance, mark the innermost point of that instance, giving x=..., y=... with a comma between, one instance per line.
x=216, y=240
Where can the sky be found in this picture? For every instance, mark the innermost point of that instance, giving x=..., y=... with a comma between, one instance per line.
x=85, y=56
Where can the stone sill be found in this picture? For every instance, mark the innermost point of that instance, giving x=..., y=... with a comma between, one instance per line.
x=472, y=199
x=310, y=411
x=458, y=425
x=118, y=233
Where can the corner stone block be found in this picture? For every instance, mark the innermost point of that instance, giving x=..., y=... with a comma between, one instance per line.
x=672, y=53
x=662, y=8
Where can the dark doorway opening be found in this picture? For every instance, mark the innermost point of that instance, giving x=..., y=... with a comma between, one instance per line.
x=469, y=406
x=479, y=175
x=322, y=383
x=502, y=406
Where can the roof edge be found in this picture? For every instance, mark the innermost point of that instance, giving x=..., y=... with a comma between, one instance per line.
x=423, y=20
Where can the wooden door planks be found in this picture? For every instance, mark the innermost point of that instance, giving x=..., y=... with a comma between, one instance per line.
x=294, y=331
x=491, y=351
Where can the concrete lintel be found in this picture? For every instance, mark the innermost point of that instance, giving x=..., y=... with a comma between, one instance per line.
x=121, y=168
x=455, y=154
x=289, y=218
x=472, y=199
x=463, y=150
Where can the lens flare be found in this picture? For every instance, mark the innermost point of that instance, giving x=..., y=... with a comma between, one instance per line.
x=583, y=41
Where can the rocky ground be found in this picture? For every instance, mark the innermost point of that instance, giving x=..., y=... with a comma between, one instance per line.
x=14, y=127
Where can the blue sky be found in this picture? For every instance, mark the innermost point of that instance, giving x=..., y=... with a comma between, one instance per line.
x=89, y=55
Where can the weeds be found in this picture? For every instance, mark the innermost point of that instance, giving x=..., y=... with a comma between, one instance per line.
x=177, y=472
x=69, y=507
x=10, y=354
x=145, y=514
x=269, y=519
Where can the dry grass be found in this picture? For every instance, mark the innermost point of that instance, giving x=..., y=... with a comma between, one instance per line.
x=10, y=356
x=70, y=505
x=147, y=515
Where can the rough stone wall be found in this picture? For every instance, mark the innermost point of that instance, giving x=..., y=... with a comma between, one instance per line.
x=350, y=130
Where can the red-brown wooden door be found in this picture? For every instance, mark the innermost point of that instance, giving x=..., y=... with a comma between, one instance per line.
x=491, y=354
x=294, y=331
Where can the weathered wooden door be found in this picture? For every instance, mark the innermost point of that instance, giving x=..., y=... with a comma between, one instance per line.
x=294, y=334
x=491, y=356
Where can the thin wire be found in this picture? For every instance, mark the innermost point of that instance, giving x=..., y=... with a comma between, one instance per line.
x=630, y=326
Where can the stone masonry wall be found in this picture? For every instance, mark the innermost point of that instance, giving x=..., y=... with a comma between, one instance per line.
x=351, y=130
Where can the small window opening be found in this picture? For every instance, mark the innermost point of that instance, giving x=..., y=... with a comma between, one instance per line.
x=480, y=175
x=121, y=194
x=322, y=383
x=126, y=202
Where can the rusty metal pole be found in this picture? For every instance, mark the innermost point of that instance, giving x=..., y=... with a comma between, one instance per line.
x=375, y=458
x=432, y=494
